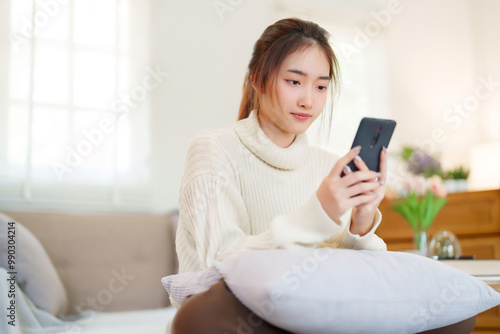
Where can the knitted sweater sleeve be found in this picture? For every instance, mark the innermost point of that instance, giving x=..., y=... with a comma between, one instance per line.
x=214, y=223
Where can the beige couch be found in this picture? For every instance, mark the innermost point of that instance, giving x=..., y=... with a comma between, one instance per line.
x=108, y=262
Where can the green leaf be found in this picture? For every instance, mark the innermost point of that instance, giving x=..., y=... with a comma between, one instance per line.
x=408, y=208
x=428, y=209
x=435, y=204
x=406, y=153
x=438, y=205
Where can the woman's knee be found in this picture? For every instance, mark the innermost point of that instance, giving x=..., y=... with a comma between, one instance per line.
x=217, y=311
x=198, y=312
x=187, y=318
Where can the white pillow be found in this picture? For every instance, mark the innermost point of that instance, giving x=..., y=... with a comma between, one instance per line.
x=348, y=291
x=36, y=275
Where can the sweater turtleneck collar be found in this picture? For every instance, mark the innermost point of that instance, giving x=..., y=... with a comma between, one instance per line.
x=256, y=140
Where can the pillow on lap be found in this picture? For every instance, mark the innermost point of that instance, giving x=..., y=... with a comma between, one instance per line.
x=349, y=291
x=35, y=273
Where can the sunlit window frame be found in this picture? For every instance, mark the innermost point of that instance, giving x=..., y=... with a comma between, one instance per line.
x=111, y=195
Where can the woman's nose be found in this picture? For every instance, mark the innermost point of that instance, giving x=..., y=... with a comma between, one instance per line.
x=306, y=99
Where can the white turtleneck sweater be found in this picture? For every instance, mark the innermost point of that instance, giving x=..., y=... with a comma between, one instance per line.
x=240, y=191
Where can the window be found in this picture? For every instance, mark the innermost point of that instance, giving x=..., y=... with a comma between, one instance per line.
x=78, y=91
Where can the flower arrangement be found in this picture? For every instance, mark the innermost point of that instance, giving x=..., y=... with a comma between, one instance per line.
x=420, y=162
x=419, y=199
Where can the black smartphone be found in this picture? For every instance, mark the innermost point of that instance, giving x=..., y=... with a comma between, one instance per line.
x=372, y=135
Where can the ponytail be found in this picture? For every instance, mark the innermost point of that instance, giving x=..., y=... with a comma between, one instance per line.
x=247, y=100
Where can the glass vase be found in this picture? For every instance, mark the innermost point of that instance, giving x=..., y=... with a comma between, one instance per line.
x=420, y=241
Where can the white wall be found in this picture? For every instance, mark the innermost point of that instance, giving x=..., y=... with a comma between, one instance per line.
x=435, y=63
x=206, y=57
x=435, y=51
x=206, y=53
x=486, y=46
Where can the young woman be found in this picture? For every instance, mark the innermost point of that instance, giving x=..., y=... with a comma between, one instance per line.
x=259, y=185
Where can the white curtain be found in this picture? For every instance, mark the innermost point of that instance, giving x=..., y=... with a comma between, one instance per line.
x=74, y=104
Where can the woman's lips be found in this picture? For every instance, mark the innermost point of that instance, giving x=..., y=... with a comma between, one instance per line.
x=301, y=116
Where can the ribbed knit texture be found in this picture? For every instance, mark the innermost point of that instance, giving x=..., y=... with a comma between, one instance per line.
x=240, y=191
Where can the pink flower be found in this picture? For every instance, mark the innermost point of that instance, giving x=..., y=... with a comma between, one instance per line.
x=418, y=185
x=436, y=186
x=415, y=183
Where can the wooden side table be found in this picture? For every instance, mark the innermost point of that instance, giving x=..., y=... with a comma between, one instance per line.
x=474, y=217
x=486, y=270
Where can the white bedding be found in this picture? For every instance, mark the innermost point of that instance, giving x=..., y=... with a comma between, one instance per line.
x=134, y=322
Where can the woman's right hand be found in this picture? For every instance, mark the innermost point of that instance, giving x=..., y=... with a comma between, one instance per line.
x=338, y=194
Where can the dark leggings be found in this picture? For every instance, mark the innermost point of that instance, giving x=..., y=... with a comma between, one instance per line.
x=218, y=311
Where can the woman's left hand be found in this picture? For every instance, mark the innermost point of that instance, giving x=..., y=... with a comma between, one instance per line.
x=363, y=215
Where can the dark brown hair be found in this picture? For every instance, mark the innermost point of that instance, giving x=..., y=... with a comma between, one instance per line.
x=276, y=42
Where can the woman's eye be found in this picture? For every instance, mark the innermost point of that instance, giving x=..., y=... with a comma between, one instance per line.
x=322, y=87
x=293, y=82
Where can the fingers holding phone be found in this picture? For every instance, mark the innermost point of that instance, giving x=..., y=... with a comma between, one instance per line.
x=358, y=179
x=363, y=214
x=338, y=194
x=339, y=168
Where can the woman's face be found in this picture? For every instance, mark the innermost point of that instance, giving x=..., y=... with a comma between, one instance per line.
x=299, y=98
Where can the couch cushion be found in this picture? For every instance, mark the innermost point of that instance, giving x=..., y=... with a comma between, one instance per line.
x=107, y=262
x=32, y=266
